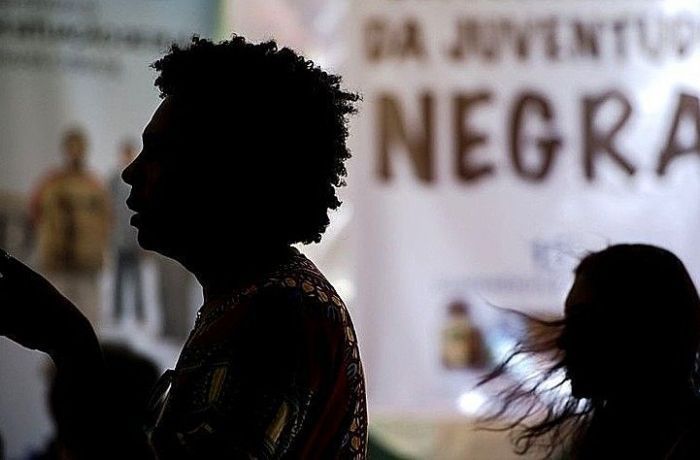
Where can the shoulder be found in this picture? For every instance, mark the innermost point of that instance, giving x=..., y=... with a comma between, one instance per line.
x=292, y=310
x=296, y=302
x=311, y=294
x=53, y=177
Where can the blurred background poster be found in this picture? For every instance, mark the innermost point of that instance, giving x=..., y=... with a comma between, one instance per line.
x=82, y=66
x=497, y=143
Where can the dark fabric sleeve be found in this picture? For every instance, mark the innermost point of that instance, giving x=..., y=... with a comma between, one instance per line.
x=257, y=397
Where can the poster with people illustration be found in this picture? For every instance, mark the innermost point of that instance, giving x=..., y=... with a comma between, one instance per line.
x=520, y=135
x=76, y=86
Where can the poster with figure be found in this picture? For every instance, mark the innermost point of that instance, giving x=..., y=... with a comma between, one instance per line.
x=496, y=144
x=65, y=65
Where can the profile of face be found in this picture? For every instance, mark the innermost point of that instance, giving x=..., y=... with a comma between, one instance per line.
x=183, y=203
x=74, y=148
x=632, y=319
x=593, y=357
x=158, y=180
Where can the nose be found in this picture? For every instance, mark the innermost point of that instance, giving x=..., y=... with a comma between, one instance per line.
x=129, y=173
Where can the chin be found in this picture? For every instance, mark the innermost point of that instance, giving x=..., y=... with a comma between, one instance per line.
x=147, y=240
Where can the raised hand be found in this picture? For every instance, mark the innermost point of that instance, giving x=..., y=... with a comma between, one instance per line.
x=34, y=314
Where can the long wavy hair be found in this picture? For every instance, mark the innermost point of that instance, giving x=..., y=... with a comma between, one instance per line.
x=539, y=409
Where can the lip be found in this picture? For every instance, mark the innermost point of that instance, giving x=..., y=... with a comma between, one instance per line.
x=135, y=220
x=130, y=204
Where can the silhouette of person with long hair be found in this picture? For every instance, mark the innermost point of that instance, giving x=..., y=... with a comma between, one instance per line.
x=240, y=161
x=627, y=347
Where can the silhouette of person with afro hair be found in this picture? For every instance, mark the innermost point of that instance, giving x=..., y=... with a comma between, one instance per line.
x=241, y=160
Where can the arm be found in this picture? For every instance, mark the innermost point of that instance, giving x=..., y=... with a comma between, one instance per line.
x=35, y=315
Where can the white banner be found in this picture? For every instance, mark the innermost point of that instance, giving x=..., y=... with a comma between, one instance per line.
x=497, y=142
x=66, y=63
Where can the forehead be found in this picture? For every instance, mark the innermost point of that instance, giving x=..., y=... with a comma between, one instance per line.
x=162, y=121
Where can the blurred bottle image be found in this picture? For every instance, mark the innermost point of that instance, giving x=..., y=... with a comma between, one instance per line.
x=462, y=343
x=127, y=252
x=71, y=216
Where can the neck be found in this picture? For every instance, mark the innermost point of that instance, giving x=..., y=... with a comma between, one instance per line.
x=222, y=272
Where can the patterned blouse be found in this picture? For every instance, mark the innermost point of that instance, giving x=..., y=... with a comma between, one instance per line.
x=273, y=372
